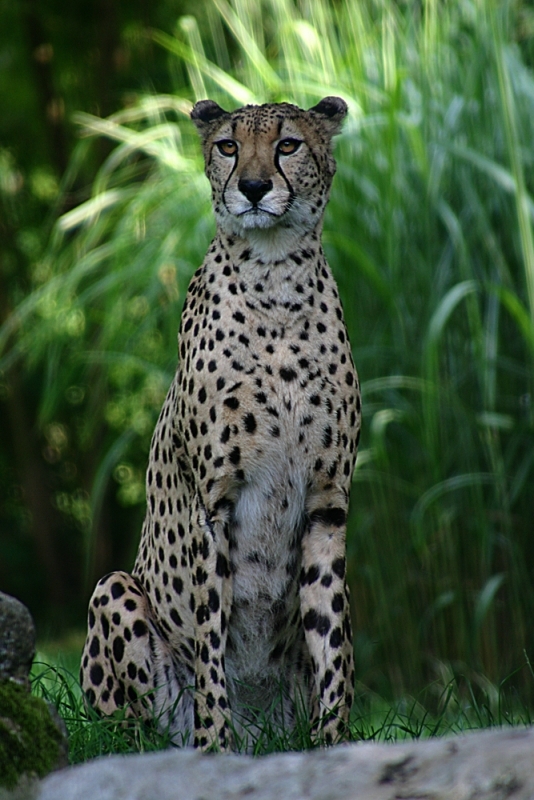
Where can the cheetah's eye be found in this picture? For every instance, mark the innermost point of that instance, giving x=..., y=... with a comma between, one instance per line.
x=227, y=147
x=288, y=146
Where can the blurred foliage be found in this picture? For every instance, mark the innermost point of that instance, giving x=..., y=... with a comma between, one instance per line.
x=429, y=234
x=55, y=60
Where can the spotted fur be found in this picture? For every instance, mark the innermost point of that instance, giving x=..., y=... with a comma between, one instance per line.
x=238, y=592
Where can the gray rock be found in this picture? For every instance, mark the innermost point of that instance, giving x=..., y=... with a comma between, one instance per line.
x=33, y=738
x=17, y=640
x=488, y=765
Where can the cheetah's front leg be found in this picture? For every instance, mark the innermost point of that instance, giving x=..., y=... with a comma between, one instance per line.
x=212, y=578
x=324, y=599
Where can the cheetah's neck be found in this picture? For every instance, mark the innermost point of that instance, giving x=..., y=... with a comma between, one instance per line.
x=271, y=245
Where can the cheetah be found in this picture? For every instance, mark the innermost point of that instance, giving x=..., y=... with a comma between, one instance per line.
x=238, y=594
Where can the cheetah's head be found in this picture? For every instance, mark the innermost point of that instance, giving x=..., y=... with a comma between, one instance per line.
x=270, y=166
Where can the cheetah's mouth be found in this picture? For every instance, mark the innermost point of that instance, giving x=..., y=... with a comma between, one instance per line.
x=258, y=217
x=265, y=217
x=255, y=210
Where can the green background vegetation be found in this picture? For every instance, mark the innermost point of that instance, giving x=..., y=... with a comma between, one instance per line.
x=429, y=233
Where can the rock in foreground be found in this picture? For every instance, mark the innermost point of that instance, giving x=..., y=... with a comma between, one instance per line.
x=488, y=765
x=32, y=737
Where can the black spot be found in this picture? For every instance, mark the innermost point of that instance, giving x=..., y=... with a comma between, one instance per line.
x=339, y=567
x=143, y=677
x=335, y=638
x=337, y=603
x=132, y=694
x=314, y=621
x=94, y=649
x=96, y=674
x=323, y=625
x=231, y=402
x=222, y=568
x=176, y=618
x=213, y=600
x=287, y=374
x=327, y=436
x=235, y=456
x=118, y=648
x=329, y=516
x=118, y=697
x=332, y=469
x=203, y=614
x=139, y=628
x=310, y=576
x=249, y=422
x=239, y=317
x=117, y=590
x=310, y=619
x=132, y=671
x=178, y=585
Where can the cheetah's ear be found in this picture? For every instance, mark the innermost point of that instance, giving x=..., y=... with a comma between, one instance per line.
x=333, y=111
x=205, y=112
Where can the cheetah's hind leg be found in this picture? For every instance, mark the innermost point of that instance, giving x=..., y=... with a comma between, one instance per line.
x=128, y=665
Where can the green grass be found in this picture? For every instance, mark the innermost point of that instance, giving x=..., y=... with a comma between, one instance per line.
x=451, y=705
x=429, y=233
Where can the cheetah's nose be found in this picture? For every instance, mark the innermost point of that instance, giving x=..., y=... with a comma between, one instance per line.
x=254, y=190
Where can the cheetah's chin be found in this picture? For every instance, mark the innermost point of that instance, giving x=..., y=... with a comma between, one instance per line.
x=258, y=218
